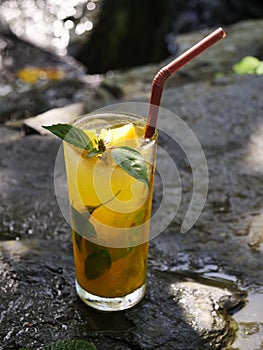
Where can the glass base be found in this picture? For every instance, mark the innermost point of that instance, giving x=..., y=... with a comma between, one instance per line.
x=111, y=304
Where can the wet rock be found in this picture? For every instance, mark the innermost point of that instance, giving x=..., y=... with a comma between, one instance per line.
x=40, y=307
x=17, y=54
x=219, y=59
x=34, y=80
x=179, y=319
x=255, y=234
x=28, y=204
x=180, y=310
x=23, y=100
x=227, y=121
x=9, y=135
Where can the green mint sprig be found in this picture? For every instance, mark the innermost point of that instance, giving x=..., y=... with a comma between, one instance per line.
x=74, y=136
x=97, y=263
x=128, y=158
x=131, y=160
x=71, y=134
x=81, y=223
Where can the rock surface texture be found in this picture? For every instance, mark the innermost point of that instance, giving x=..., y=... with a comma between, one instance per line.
x=196, y=280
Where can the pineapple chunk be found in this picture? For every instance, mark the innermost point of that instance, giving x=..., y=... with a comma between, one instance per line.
x=124, y=135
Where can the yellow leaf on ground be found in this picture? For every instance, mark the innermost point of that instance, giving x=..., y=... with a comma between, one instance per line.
x=33, y=74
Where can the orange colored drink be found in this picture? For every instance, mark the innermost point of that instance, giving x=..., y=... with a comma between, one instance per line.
x=110, y=212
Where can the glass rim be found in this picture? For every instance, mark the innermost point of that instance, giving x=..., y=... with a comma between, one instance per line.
x=106, y=113
x=101, y=114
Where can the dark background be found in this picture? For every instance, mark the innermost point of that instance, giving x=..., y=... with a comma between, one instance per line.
x=135, y=32
x=118, y=34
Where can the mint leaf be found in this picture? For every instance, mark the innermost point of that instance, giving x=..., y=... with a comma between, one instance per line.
x=70, y=345
x=97, y=263
x=77, y=238
x=128, y=158
x=81, y=224
x=131, y=161
x=71, y=134
x=119, y=253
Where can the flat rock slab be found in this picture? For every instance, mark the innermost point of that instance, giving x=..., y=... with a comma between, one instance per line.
x=226, y=116
x=39, y=305
x=28, y=204
x=180, y=311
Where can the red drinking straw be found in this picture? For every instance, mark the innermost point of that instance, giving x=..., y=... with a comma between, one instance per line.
x=171, y=68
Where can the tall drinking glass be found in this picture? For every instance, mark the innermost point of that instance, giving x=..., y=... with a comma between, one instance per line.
x=110, y=211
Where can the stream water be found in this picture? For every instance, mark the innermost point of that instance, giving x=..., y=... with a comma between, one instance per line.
x=250, y=324
x=249, y=319
x=50, y=24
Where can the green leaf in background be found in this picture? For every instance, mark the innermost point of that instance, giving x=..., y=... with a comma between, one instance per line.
x=131, y=161
x=97, y=263
x=71, y=134
x=81, y=224
x=259, y=69
x=249, y=65
x=71, y=345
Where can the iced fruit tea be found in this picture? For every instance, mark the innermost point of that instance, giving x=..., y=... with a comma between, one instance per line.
x=110, y=213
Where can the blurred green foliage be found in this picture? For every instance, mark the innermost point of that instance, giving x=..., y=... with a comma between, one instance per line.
x=249, y=65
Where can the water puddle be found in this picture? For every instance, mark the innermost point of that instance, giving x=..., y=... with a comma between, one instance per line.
x=250, y=324
x=249, y=318
x=248, y=314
